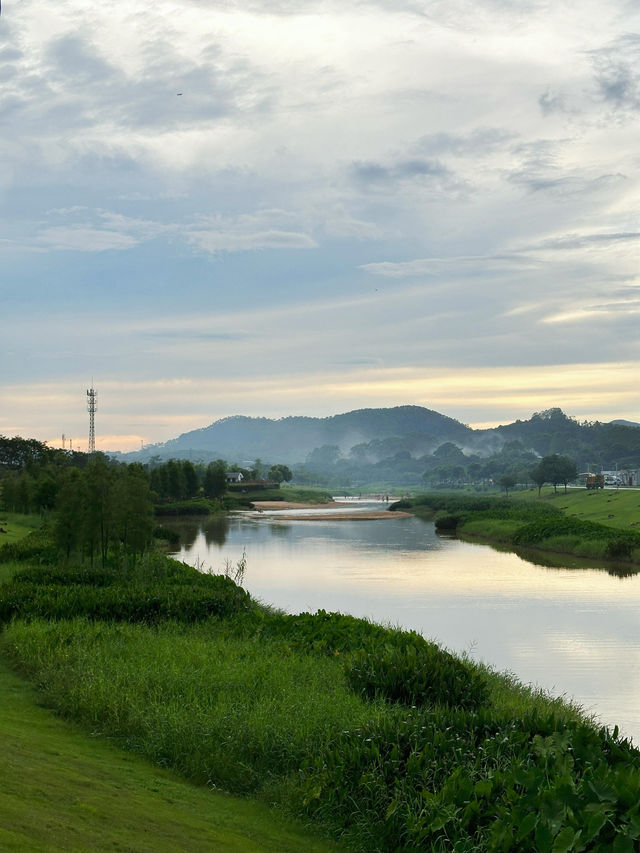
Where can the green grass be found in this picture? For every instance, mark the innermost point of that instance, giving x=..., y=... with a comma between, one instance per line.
x=261, y=714
x=603, y=526
x=64, y=791
x=15, y=526
x=212, y=706
x=295, y=494
x=382, y=739
x=615, y=508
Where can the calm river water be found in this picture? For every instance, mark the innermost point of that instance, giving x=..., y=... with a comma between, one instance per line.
x=574, y=632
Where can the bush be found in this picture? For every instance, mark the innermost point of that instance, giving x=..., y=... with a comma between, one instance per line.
x=619, y=549
x=416, y=675
x=198, y=506
x=160, y=589
x=474, y=782
x=36, y=545
x=447, y=521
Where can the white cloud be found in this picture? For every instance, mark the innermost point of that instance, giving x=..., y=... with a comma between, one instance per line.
x=466, y=174
x=78, y=239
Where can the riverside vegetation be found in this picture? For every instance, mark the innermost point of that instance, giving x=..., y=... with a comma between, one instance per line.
x=380, y=738
x=543, y=525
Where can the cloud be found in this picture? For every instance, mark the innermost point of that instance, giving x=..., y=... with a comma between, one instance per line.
x=617, y=74
x=450, y=266
x=404, y=170
x=464, y=173
x=227, y=241
x=477, y=142
x=78, y=239
x=570, y=242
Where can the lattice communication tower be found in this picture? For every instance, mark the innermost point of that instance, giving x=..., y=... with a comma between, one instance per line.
x=92, y=405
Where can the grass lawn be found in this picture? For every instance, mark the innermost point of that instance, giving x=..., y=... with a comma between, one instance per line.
x=616, y=508
x=14, y=526
x=64, y=791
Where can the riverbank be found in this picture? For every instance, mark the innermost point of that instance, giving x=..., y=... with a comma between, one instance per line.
x=277, y=506
x=530, y=524
x=64, y=790
x=282, y=509
x=383, y=515
x=376, y=735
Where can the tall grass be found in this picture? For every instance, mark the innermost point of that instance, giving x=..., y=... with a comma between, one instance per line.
x=389, y=741
x=236, y=713
x=258, y=715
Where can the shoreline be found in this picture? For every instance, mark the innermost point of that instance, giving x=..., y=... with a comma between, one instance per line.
x=287, y=505
x=383, y=515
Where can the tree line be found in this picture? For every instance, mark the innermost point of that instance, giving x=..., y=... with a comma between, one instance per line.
x=104, y=511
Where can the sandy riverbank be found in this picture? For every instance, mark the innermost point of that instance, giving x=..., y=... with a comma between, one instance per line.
x=282, y=505
x=383, y=515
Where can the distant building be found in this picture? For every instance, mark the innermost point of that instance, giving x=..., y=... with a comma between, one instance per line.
x=234, y=477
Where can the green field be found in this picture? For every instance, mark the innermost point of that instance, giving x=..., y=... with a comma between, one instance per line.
x=14, y=526
x=615, y=508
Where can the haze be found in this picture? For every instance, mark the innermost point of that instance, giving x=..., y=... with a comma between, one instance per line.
x=274, y=208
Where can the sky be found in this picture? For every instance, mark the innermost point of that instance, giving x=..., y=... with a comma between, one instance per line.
x=299, y=207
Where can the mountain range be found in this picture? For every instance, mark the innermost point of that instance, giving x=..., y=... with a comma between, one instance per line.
x=369, y=437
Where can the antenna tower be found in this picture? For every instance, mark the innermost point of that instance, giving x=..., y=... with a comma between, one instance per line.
x=92, y=405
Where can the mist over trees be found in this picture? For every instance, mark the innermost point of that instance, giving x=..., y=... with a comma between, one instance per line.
x=406, y=445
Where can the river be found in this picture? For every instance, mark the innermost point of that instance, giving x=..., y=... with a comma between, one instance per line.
x=572, y=631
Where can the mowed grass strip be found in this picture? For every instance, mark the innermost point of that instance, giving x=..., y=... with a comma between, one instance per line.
x=64, y=791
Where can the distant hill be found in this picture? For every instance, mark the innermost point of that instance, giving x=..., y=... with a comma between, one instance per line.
x=402, y=445
x=622, y=422
x=292, y=439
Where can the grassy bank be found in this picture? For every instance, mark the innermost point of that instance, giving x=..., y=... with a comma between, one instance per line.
x=292, y=494
x=379, y=737
x=561, y=524
x=65, y=791
x=615, y=508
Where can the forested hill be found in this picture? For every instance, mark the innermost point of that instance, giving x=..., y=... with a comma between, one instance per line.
x=292, y=439
x=402, y=443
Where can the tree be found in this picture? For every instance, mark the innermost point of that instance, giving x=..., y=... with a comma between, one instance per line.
x=507, y=481
x=278, y=473
x=215, y=479
x=68, y=526
x=191, y=481
x=176, y=485
x=566, y=470
x=538, y=476
x=556, y=469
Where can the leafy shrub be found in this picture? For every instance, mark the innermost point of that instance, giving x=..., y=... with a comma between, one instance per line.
x=619, y=549
x=420, y=674
x=447, y=521
x=618, y=544
x=385, y=663
x=322, y=632
x=197, y=506
x=166, y=534
x=460, y=781
x=160, y=588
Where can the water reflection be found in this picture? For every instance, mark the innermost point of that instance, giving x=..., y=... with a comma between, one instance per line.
x=572, y=631
x=213, y=529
